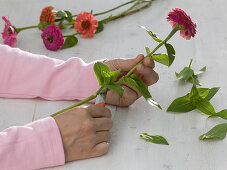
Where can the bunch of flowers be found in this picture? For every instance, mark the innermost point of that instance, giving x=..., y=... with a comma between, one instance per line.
x=84, y=24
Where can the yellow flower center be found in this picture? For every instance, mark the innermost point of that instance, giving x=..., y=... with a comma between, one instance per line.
x=49, y=38
x=86, y=24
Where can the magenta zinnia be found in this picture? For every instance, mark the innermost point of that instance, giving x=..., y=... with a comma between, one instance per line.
x=178, y=16
x=9, y=33
x=52, y=38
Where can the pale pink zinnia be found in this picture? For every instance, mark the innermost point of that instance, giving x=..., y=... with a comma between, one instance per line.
x=178, y=16
x=9, y=33
x=85, y=24
x=52, y=38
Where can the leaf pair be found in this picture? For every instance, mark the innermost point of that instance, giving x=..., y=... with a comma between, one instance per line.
x=189, y=75
x=196, y=99
x=106, y=78
x=154, y=139
x=138, y=84
x=161, y=58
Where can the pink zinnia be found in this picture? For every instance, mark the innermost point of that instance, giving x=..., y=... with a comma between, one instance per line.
x=85, y=24
x=9, y=33
x=52, y=38
x=178, y=16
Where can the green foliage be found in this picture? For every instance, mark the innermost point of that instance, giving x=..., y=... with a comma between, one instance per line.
x=100, y=27
x=138, y=84
x=154, y=36
x=189, y=75
x=161, y=58
x=43, y=25
x=197, y=98
x=171, y=53
x=222, y=114
x=61, y=14
x=154, y=139
x=106, y=78
x=70, y=41
x=217, y=132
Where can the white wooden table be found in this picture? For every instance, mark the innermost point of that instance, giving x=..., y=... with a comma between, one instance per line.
x=123, y=38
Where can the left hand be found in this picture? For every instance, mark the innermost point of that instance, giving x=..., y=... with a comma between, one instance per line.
x=144, y=71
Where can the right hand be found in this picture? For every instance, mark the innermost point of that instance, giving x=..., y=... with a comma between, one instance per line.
x=85, y=131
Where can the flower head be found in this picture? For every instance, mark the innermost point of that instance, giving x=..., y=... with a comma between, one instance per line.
x=85, y=24
x=178, y=16
x=52, y=38
x=9, y=33
x=47, y=15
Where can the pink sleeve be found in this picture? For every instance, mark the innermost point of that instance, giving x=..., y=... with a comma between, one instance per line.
x=34, y=146
x=27, y=75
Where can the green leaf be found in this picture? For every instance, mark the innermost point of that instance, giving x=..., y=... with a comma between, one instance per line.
x=202, y=70
x=181, y=104
x=204, y=106
x=99, y=68
x=70, y=41
x=203, y=92
x=114, y=75
x=217, y=132
x=211, y=93
x=151, y=34
x=100, y=27
x=138, y=84
x=43, y=25
x=154, y=139
x=222, y=114
x=62, y=26
x=61, y=14
x=117, y=88
x=161, y=58
x=69, y=16
x=194, y=80
x=171, y=53
x=194, y=93
x=148, y=51
x=185, y=74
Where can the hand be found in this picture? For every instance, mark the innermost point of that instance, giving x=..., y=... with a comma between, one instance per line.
x=144, y=71
x=85, y=131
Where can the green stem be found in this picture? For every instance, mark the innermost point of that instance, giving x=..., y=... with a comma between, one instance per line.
x=70, y=35
x=79, y=103
x=125, y=13
x=190, y=63
x=151, y=53
x=25, y=28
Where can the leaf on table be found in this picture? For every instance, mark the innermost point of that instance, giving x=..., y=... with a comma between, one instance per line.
x=185, y=74
x=69, y=16
x=211, y=93
x=171, y=53
x=204, y=106
x=154, y=139
x=61, y=14
x=202, y=70
x=181, y=104
x=117, y=88
x=154, y=36
x=138, y=84
x=217, y=132
x=70, y=41
x=222, y=114
x=43, y=25
x=100, y=27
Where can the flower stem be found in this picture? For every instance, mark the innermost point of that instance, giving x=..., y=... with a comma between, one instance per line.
x=79, y=103
x=127, y=12
x=25, y=28
x=151, y=53
x=190, y=63
x=121, y=80
x=70, y=35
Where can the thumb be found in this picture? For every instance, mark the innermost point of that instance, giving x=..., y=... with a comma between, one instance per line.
x=127, y=64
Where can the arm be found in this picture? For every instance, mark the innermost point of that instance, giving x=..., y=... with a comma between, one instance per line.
x=27, y=75
x=36, y=145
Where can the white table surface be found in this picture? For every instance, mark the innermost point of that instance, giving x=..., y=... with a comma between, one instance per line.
x=123, y=38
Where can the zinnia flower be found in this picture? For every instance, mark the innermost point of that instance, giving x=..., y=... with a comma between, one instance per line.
x=52, y=38
x=85, y=24
x=9, y=33
x=47, y=15
x=178, y=16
